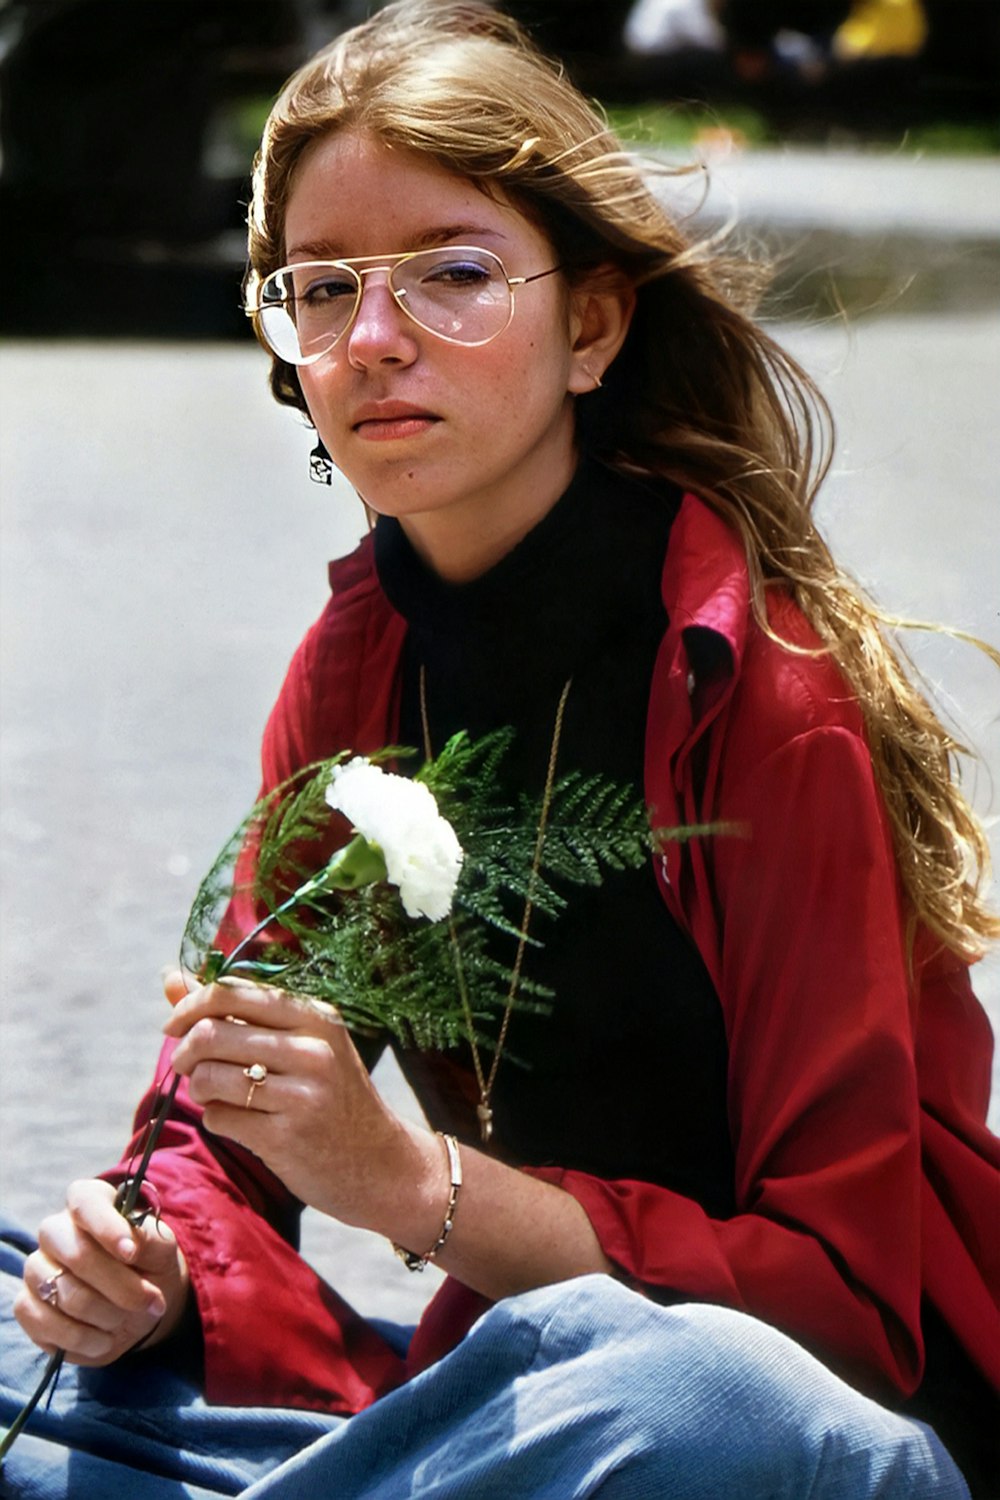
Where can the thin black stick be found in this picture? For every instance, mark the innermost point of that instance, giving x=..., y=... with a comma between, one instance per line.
x=128, y=1192
x=126, y=1199
x=50, y=1374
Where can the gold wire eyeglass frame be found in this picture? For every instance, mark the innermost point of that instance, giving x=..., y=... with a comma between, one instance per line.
x=358, y=268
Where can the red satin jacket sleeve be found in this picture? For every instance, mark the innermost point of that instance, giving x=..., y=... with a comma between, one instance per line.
x=274, y=1332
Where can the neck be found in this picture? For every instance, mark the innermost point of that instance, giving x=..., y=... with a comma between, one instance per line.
x=464, y=541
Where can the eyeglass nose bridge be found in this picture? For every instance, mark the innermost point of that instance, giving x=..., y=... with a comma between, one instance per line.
x=388, y=264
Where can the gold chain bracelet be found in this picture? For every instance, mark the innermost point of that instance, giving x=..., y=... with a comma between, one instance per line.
x=410, y=1259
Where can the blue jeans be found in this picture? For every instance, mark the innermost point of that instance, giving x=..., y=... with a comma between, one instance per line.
x=580, y=1389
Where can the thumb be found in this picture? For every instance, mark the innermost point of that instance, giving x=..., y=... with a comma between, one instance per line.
x=157, y=1246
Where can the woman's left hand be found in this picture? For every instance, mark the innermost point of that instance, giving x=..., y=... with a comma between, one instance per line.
x=314, y=1117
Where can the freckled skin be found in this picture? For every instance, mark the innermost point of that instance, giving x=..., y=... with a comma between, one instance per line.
x=502, y=448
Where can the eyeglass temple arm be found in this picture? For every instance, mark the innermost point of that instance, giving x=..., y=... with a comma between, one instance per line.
x=523, y=280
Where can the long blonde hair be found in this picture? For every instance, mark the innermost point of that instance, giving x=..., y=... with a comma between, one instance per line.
x=699, y=394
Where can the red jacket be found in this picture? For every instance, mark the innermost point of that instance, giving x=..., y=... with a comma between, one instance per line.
x=865, y=1175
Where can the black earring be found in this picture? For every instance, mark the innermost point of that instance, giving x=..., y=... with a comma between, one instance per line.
x=320, y=464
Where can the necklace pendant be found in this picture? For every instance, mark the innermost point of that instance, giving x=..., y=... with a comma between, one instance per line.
x=485, y=1116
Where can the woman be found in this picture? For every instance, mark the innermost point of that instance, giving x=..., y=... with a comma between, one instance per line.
x=724, y=1228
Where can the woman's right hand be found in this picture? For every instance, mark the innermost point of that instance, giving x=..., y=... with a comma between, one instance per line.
x=114, y=1284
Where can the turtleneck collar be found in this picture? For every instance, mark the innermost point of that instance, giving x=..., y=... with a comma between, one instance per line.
x=590, y=568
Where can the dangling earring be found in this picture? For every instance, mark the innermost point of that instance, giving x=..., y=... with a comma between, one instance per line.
x=320, y=464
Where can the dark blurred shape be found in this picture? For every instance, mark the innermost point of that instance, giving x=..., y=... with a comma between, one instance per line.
x=121, y=195
x=127, y=126
x=811, y=66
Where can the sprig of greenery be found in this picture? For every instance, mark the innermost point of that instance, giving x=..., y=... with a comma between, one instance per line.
x=357, y=949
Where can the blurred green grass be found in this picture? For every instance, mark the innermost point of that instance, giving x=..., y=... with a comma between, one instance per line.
x=661, y=126
x=656, y=125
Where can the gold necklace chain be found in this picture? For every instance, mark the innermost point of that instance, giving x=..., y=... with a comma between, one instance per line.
x=484, y=1111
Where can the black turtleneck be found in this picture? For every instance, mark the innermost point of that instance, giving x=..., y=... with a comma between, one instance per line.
x=626, y=1076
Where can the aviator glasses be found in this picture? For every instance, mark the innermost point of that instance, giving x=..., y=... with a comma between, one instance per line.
x=459, y=293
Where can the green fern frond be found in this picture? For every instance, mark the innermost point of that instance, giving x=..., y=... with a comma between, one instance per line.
x=358, y=951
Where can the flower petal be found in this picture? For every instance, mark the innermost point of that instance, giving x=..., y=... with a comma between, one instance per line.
x=422, y=853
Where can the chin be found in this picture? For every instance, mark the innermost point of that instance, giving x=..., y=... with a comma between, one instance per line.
x=409, y=493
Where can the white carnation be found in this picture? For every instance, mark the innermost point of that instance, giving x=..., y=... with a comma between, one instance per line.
x=400, y=817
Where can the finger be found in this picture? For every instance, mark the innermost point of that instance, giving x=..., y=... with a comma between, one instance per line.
x=59, y=1311
x=212, y=1038
x=146, y=1244
x=231, y=1041
x=258, y=1005
x=53, y=1329
x=93, y=1208
x=90, y=1204
x=82, y=1342
x=65, y=1246
x=175, y=984
x=214, y=1083
x=236, y=999
x=158, y=1251
x=59, y=1291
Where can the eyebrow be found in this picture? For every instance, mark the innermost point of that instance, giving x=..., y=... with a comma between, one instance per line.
x=444, y=234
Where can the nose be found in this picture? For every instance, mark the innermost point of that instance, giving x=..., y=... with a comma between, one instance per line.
x=381, y=332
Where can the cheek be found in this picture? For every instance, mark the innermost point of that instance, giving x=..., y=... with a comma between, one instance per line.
x=312, y=387
x=532, y=373
x=324, y=400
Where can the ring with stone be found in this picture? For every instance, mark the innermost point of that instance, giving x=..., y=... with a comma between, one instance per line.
x=48, y=1290
x=257, y=1074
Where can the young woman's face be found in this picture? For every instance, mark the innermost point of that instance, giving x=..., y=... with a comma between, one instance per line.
x=468, y=446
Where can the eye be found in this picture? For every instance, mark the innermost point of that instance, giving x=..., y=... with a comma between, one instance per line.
x=320, y=291
x=459, y=272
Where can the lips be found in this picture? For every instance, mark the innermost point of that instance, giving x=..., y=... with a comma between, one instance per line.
x=391, y=419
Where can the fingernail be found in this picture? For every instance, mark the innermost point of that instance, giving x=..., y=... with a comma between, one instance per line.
x=126, y=1249
x=156, y=1304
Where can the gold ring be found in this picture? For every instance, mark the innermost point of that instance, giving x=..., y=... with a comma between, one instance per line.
x=257, y=1074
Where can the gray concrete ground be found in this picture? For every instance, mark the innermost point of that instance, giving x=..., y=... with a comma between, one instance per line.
x=861, y=192
x=163, y=550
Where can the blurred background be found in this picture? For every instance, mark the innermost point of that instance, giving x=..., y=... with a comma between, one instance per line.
x=162, y=549
x=127, y=126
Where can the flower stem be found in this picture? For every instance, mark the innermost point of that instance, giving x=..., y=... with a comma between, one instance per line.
x=230, y=958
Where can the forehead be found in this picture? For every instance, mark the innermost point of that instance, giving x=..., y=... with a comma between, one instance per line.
x=354, y=195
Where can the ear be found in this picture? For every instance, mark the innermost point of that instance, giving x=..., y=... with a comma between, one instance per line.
x=600, y=313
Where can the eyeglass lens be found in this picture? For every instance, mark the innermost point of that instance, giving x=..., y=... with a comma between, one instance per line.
x=458, y=294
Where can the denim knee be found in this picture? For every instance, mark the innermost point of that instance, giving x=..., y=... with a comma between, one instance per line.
x=695, y=1399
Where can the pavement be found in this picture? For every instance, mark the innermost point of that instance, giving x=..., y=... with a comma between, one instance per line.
x=163, y=550
x=861, y=192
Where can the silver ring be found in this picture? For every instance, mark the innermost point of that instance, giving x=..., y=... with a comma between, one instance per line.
x=257, y=1074
x=48, y=1290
